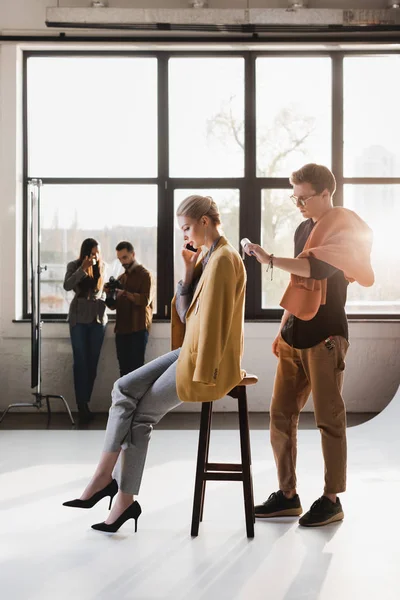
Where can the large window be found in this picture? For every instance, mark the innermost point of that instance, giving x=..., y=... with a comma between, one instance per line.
x=108, y=213
x=379, y=205
x=371, y=116
x=206, y=117
x=294, y=125
x=372, y=171
x=293, y=113
x=92, y=116
x=119, y=139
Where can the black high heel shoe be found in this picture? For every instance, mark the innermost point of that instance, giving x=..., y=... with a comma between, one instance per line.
x=132, y=512
x=110, y=490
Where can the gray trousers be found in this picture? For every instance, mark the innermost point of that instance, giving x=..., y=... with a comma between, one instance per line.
x=139, y=401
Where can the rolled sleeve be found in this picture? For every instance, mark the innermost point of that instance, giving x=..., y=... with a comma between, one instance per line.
x=183, y=299
x=73, y=276
x=144, y=296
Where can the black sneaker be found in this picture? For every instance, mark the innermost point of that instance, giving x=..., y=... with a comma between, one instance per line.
x=322, y=512
x=278, y=505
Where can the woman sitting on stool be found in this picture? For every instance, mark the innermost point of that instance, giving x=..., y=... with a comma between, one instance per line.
x=208, y=310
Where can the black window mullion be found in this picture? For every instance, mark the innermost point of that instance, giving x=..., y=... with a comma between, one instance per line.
x=165, y=222
x=337, y=126
x=205, y=182
x=96, y=180
x=372, y=180
x=250, y=206
x=274, y=183
x=25, y=224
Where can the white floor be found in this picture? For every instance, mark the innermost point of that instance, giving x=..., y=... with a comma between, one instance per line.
x=50, y=552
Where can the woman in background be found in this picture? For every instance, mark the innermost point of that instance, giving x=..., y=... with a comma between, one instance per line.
x=87, y=320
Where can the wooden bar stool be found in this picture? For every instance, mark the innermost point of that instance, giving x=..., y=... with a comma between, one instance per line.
x=206, y=471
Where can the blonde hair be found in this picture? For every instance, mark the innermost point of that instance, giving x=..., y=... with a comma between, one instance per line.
x=196, y=207
x=318, y=176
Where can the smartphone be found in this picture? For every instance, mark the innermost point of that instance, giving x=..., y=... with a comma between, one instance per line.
x=189, y=247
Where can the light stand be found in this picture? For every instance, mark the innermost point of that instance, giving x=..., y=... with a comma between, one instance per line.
x=36, y=322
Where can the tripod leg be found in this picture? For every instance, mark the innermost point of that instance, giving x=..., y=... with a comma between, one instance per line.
x=48, y=411
x=19, y=405
x=5, y=412
x=66, y=406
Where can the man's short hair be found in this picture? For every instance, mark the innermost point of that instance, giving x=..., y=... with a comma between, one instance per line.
x=125, y=246
x=318, y=176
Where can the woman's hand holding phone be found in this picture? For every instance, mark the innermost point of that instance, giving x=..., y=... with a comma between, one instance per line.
x=87, y=263
x=189, y=259
x=190, y=255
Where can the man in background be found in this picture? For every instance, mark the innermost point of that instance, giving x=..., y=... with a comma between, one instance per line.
x=134, y=308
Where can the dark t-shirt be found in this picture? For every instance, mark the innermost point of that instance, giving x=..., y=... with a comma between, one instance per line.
x=331, y=317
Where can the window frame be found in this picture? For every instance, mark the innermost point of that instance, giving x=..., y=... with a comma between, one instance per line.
x=249, y=186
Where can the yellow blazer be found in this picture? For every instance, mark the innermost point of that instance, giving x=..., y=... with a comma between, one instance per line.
x=212, y=339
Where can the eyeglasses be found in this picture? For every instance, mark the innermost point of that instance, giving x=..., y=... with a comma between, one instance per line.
x=300, y=200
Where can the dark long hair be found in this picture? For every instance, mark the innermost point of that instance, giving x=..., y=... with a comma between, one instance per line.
x=94, y=281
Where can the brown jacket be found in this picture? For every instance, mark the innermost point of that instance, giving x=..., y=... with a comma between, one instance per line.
x=342, y=239
x=209, y=364
x=135, y=310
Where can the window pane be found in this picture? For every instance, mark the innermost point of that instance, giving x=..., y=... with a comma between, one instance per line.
x=371, y=116
x=293, y=98
x=379, y=206
x=280, y=218
x=206, y=117
x=92, y=116
x=108, y=213
x=228, y=204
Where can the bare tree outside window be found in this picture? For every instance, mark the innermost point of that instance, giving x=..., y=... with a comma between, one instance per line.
x=290, y=132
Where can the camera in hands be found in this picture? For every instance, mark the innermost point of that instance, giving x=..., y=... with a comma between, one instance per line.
x=111, y=288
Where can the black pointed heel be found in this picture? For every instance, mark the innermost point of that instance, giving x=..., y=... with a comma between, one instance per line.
x=110, y=490
x=132, y=512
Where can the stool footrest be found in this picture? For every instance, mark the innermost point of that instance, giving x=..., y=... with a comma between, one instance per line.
x=223, y=476
x=223, y=467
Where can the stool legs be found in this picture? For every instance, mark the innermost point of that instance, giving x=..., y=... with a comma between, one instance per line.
x=203, y=489
x=202, y=456
x=246, y=461
x=224, y=471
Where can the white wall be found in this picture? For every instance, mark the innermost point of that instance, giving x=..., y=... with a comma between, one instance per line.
x=373, y=372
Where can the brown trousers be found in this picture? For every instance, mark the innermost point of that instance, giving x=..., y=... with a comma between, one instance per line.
x=299, y=372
